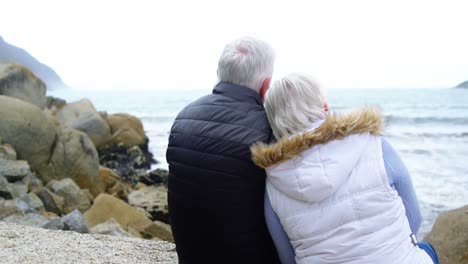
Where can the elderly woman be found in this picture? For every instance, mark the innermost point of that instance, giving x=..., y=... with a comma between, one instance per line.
x=337, y=192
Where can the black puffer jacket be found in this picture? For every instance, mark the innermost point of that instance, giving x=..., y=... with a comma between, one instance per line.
x=215, y=191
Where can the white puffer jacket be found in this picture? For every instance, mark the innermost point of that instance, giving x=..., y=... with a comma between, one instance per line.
x=331, y=193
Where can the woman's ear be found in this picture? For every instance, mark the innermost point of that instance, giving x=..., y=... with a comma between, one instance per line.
x=264, y=89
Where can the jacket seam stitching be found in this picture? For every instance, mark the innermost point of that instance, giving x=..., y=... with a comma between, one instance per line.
x=235, y=108
x=237, y=176
x=208, y=153
x=225, y=140
x=219, y=122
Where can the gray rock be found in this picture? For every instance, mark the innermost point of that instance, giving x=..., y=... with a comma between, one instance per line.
x=75, y=221
x=111, y=228
x=34, y=183
x=53, y=151
x=52, y=202
x=23, y=186
x=75, y=198
x=7, y=152
x=82, y=115
x=14, y=170
x=7, y=190
x=54, y=224
x=19, y=82
x=36, y=220
x=32, y=201
x=9, y=207
x=20, y=204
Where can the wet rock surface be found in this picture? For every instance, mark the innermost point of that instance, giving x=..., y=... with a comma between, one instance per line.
x=130, y=163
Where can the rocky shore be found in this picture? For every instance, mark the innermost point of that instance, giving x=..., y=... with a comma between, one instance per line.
x=76, y=184
x=67, y=166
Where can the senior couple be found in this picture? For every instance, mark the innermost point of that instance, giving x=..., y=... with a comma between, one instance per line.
x=265, y=173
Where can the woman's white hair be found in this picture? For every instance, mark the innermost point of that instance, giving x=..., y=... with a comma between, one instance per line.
x=247, y=62
x=293, y=103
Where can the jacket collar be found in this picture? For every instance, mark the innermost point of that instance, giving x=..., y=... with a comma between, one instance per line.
x=237, y=92
x=334, y=127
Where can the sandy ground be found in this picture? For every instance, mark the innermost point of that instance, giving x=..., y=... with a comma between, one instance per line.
x=24, y=244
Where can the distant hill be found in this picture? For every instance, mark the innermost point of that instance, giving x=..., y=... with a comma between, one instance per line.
x=463, y=85
x=11, y=53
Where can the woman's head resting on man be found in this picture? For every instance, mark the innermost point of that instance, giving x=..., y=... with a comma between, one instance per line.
x=293, y=104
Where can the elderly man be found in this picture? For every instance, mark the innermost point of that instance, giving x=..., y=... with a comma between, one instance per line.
x=216, y=192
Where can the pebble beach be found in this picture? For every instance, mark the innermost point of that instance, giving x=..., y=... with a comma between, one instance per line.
x=31, y=245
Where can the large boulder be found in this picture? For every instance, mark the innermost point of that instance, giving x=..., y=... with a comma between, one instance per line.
x=82, y=115
x=449, y=236
x=76, y=157
x=126, y=129
x=19, y=82
x=52, y=150
x=106, y=207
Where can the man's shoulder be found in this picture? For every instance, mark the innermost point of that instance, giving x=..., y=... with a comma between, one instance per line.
x=220, y=109
x=204, y=100
x=220, y=101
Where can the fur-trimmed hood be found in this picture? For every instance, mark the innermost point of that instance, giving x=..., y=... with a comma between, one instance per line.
x=313, y=165
x=333, y=128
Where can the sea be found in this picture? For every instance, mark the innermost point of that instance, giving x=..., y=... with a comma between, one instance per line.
x=427, y=127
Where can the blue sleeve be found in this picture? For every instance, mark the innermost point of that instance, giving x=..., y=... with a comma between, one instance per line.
x=400, y=180
x=280, y=238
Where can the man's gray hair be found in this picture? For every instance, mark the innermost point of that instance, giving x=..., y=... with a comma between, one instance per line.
x=247, y=62
x=293, y=103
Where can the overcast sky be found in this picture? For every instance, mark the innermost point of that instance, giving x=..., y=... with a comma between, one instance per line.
x=176, y=44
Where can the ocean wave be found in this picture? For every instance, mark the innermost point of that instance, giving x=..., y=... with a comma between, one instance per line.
x=438, y=135
x=392, y=119
x=159, y=118
x=421, y=152
x=424, y=152
x=427, y=135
